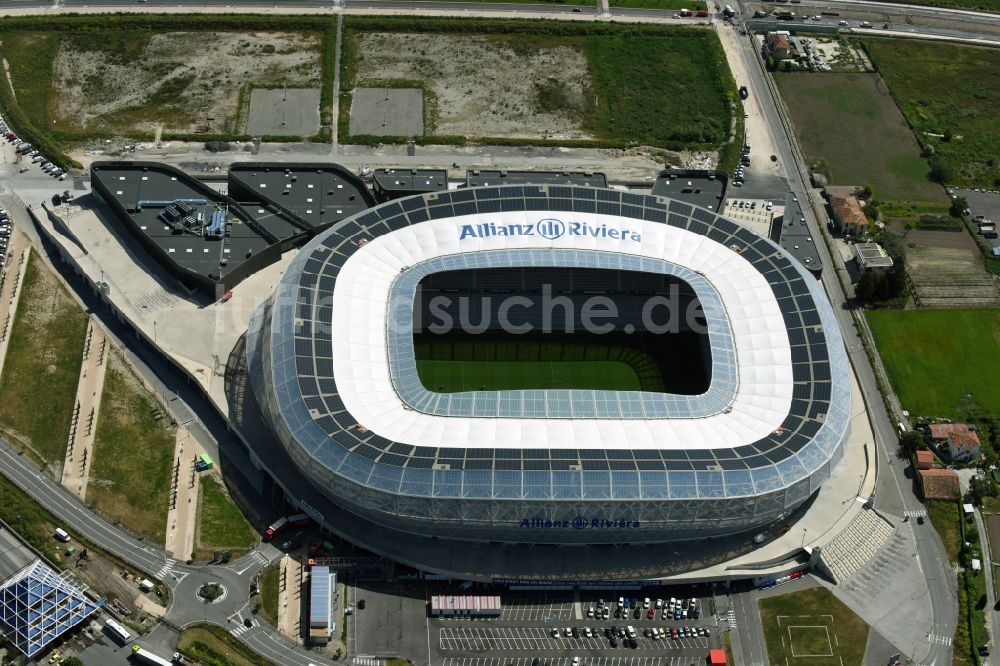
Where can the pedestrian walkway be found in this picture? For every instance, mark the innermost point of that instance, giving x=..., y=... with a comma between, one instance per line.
x=16, y=265
x=290, y=584
x=182, y=517
x=83, y=427
x=849, y=551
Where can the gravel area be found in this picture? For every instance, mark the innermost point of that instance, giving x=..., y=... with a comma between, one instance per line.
x=483, y=87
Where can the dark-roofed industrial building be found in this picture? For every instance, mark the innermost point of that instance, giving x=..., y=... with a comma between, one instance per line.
x=397, y=183
x=210, y=241
x=485, y=177
x=694, y=186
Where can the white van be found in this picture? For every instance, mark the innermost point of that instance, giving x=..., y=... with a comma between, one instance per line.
x=62, y=535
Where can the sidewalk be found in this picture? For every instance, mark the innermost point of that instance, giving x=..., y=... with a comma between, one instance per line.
x=290, y=581
x=79, y=449
x=10, y=288
x=182, y=518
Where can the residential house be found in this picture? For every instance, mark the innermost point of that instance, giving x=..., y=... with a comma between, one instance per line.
x=780, y=46
x=939, y=483
x=848, y=214
x=925, y=459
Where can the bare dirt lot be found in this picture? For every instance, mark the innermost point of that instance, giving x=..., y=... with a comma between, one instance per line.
x=178, y=80
x=482, y=87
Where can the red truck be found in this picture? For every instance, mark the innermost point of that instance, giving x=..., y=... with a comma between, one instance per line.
x=277, y=526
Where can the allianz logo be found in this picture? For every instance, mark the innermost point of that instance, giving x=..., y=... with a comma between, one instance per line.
x=549, y=228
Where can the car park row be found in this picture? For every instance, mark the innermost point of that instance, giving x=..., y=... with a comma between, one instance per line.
x=658, y=660
x=26, y=150
x=533, y=639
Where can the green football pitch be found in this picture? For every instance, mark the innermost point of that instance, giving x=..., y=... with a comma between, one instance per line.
x=455, y=376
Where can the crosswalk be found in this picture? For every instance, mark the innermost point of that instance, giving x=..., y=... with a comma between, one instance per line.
x=367, y=661
x=165, y=569
x=242, y=628
x=731, y=618
x=939, y=640
x=916, y=514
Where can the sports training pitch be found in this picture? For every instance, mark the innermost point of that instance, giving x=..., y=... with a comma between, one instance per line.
x=812, y=627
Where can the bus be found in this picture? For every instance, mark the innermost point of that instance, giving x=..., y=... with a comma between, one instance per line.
x=147, y=657
x=117, y=631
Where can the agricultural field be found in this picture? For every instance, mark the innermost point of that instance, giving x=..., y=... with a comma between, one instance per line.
x=665, y=88
x=950, y=95
x=98, y=83
x=835, y=115
x=131, y=469
x=42, y=367
x=812, y=627
x=942, y=363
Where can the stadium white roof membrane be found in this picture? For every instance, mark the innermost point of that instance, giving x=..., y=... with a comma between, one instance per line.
x=360, y=326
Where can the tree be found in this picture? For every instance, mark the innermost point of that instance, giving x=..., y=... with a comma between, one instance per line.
x=958, y=206
x=980, y=488
x=948, y=135
x=911, y=440
x=940, y=172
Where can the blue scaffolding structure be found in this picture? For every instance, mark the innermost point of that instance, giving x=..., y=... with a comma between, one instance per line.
x=38, y=605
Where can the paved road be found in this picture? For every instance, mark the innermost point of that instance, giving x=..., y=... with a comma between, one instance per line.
x=183, y=580
x=991, y=613
x=931, y=555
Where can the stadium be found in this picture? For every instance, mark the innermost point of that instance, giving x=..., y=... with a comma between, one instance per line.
x=552, y=364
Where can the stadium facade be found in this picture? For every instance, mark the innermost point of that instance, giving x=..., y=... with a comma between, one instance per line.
x=332, y=364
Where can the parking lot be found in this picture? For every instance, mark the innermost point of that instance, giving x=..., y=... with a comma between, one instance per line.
x=537, y=609
x=492, y=639
x=665, y=660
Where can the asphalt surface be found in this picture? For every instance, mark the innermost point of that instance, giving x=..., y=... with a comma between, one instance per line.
x=183, y=580
x=933, y=560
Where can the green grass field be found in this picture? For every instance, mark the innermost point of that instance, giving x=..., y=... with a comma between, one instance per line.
x=453, y=364
x=221, y=525
x=214, y=646
x=941, y=362
x=454, y=376
x=671, y=5
x=813, y=628
x=42, y=368
x=850, y=124
x=941, y=88
x=268, y=596
x=133, y=455
x=983, y=5
x=944, y=516
x=661, y=86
